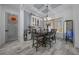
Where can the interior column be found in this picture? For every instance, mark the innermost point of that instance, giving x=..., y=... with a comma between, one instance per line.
x=21, y=25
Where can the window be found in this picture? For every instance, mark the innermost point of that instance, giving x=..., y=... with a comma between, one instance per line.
x=37, y=22
x=33, y=19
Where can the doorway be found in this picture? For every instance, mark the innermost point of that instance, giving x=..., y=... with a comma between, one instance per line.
x=11, y=27
x=68, y=30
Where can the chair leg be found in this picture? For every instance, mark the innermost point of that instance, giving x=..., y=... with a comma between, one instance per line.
x=33, y=43
x=45, y=42
x=50, y=44
x=55, y=40
x=37, y=45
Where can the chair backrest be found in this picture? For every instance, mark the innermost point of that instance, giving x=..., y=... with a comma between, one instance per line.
x=55, y=30
x=33, y=33
x=33, y=30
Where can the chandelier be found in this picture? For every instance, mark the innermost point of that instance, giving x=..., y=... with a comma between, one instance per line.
x=47, y=17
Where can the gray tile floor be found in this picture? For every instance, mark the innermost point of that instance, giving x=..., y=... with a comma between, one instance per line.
x=58, y=48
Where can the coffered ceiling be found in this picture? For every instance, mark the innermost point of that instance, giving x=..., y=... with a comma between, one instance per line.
x=40, y=9
x=43, y=9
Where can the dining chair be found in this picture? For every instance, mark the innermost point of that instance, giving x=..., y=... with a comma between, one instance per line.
x=54, y=34
x=48, y=39
x=37, y=39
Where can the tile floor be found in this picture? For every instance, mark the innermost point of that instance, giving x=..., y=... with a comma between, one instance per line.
x=58, y=48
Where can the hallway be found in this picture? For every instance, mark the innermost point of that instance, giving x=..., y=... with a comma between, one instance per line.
x=58, y=48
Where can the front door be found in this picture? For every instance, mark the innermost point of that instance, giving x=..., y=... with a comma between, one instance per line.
x=11, y=27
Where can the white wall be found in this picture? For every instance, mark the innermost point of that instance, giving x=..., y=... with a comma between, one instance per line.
x=64, y=11
x=76, y=24
x=27, y=20
x=2, y=27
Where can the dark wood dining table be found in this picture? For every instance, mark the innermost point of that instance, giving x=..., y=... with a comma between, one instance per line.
x=42, y=38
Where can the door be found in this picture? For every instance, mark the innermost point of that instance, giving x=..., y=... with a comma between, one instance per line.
x=11, y=27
